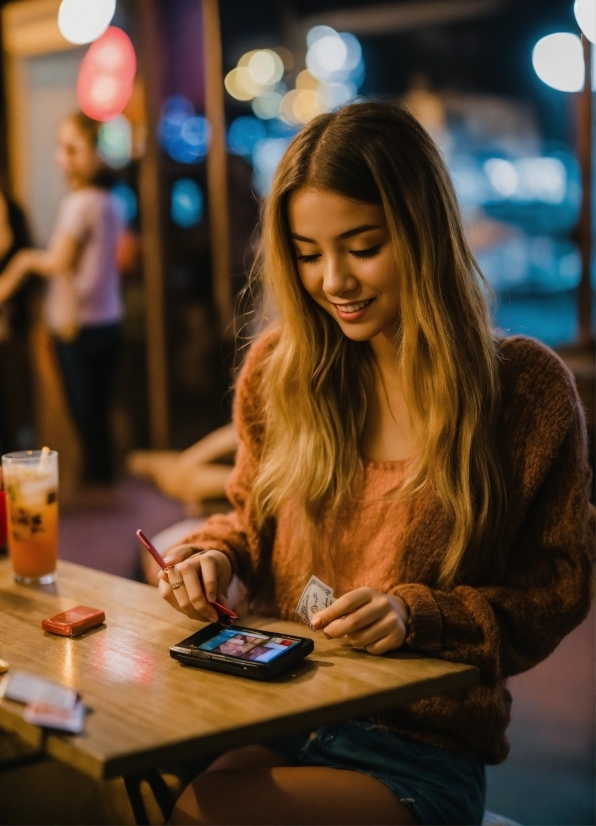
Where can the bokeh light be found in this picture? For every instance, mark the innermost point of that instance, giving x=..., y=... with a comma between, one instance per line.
x=82, y=21
x=182, y=133
x=240, y=84
x=258, y=74
x=318, y=33
x=186, y=207
x=502, y=176
x=558, y=60
x=125, y=201
x=585, y=14
x=243, y=135
x=333, y=75
x=326, y=56
x=114, y=142
x=542, y=179
x=266, y=156
x=305, y=80
x=267, y=106
x=106, y=76
x=265, y=67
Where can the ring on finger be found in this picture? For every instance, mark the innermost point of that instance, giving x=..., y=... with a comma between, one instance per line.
x=175, y=585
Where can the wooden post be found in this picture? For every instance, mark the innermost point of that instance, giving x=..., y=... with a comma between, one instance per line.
x=584, y=138
x=151, y=197
x=217, y=177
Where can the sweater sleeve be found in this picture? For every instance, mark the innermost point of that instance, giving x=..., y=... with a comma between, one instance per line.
x=236, y=533
x=546, y=588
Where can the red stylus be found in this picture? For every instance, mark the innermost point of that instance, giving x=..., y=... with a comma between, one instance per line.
x=227, y=616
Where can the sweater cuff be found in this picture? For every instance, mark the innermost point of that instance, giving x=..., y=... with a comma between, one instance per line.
x=425, y=625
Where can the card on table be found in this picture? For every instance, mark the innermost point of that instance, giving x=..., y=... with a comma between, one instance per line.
x=27, y=688
x=315, y=597
x=72, y=720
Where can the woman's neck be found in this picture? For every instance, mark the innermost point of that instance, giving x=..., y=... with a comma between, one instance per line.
x=388, y=431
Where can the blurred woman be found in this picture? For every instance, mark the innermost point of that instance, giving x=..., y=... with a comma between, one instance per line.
x=83, y=305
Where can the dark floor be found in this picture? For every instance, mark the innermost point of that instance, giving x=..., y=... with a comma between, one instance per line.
x=549, y=777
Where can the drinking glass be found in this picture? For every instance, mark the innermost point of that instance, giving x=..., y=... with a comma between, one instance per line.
x=31, y=483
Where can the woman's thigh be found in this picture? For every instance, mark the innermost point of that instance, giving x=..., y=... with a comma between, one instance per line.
x=255, y=785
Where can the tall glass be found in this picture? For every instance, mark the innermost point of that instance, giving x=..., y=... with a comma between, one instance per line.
x=31, y=483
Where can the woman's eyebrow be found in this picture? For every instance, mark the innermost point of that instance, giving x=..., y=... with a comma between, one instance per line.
x=348, y=234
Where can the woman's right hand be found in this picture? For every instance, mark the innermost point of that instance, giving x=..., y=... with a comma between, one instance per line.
x=205, y=577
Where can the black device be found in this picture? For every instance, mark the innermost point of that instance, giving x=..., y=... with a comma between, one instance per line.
x=245, y=652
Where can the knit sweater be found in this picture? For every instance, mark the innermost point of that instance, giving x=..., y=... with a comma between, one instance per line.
x=515, y=599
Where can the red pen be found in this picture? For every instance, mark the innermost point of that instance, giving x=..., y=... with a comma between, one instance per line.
x=226, y=615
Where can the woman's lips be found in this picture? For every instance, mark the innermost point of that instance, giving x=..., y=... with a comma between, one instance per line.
x=353, y=311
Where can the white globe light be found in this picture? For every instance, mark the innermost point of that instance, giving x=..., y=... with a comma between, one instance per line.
x=82, y=21
x=317, y=32
x=353, y=51
x=502, y=176
x=558, y=60
x=585, y=14
x=262, y=67
x=326, y=56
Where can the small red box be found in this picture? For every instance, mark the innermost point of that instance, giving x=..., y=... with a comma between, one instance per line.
x=73, y=622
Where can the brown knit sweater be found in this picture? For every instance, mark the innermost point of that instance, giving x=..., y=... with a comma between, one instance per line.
x=516, y=599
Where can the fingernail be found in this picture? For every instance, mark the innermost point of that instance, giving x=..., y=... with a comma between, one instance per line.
x=316, y=622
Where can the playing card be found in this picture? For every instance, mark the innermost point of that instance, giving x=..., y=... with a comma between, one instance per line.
x=27, y=688
x=315, y=597
x=47, y=716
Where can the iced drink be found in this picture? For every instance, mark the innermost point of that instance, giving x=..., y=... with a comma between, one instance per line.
x=31, y=483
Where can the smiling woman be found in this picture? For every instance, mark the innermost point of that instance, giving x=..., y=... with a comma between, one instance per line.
x=434, y=476
x=349, y=272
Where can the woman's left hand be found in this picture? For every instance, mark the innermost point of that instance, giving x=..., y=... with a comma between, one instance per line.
x=370, y=619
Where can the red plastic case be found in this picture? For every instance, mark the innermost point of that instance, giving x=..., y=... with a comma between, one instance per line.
x=74, y=621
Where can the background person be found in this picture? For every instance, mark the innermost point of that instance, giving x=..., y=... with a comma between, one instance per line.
x=83, y=306
x=434, y=475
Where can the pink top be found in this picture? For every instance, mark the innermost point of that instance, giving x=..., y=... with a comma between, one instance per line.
x=89, y=216
x=360, y=546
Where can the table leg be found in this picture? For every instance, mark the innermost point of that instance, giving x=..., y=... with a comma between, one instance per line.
x=160, y=790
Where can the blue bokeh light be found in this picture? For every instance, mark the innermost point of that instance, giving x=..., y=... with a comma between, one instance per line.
x=182, y=133
x=125, y=202
x=186, y=206
x=243, y=135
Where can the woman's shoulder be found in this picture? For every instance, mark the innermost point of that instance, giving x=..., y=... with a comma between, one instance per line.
x=259, y=349
x=249, y=400
x=535, y=380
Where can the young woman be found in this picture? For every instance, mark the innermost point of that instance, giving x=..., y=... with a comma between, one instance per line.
x=83, y=304
x=431, y=473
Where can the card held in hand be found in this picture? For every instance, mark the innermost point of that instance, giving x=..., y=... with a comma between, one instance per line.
x=315, y=597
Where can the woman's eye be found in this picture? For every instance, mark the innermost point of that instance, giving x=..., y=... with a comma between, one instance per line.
x=369, y=253
x=308, y=259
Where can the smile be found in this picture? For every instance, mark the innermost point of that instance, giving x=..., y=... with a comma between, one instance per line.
x=354, y=310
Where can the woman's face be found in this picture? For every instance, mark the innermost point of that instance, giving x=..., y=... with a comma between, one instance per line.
x=345, y=261
x=76, y=156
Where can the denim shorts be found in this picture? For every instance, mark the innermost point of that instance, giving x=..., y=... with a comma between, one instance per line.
x=439, y=786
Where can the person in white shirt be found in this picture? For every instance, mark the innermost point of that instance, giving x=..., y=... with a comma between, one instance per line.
x=83, y=307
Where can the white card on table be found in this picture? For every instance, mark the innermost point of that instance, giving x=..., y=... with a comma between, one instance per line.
x=27, y=688
x=315, y=597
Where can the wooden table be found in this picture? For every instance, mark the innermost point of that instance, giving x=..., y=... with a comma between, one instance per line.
x=147, y=711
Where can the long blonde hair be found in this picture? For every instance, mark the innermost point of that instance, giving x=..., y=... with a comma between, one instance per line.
x=319, y=382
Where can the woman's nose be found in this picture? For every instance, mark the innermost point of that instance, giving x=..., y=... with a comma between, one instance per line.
x=337, y=278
